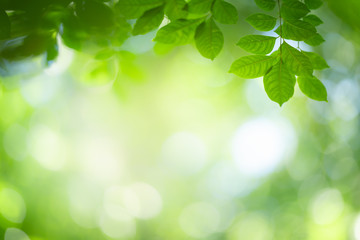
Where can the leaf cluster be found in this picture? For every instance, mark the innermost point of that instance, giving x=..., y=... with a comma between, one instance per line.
x=281, y=68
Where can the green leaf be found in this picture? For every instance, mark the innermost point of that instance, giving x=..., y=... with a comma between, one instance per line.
x=253, y=66
x=4, y=25
x=312, y=87
x=266, y=5
x=258, y=44
x=279, y=83
x=95, y=14
x=313, y=4
x=131, y=9
x=261, y=22
x=199, y=6
x=296, y=61
x=315, y=40
x=224, y=12
x=296, y=30
x=293, y=10
x=209, y=39
x=149, y=21
x=178, y=32
x=175, y=9
x=316, y=60
x=313, y=19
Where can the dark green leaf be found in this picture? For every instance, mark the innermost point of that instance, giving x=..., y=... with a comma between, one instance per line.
x=296, y=30
x=200, y=6
x=261, y=22
x=315, y=40
x=178, y=32
x=95, y=14
x=253, y=66
x=313, y=4
x=279, y=83
x=224, y=12
x=313, y=19
x=4, y=25
x=175, y=9
x=296, y=61
x=209, y=39
x=293, y=10
x=312, y=87
x=316, y=60
x=266, y=5
x=131, y=9
x=258, y=44
x=149, y=21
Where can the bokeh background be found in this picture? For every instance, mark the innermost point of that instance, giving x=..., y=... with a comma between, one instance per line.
x=160, y=143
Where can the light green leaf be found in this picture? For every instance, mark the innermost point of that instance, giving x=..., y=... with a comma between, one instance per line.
x=279, y=83
x=199, y=6
x=175, y=9
x=316, y=60
x=312, y=87
x=293, y=10
x=261, y=22
x=253, y=66
x=258, y=44
x=209, y=39
x=4, y=25
x=224, y=12
x=296, y=30
x=296, y=61
x=313, y=4
x=266, y=5
x=131, y=9
x=313, y=19
x=315, y=40
x=149, y=21
x=178, y=32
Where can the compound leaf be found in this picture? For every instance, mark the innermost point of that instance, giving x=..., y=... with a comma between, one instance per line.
x=131, y=9
x=253, y=66
x=316, y=60
x=149, y=21
x=258, y=44
x=315, y=40
x=293, y=10
x=209, y=39
x=199, y=6
x=178, y=32
x=312, y=87
x=261, y=22
x=279, y=83
x=313, y=19
x=224, y=12
x=297, y=62
x=266, y=5
x=313, y=4
x=296, y=30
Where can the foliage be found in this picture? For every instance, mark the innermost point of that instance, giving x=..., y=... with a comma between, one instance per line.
x=97, y=26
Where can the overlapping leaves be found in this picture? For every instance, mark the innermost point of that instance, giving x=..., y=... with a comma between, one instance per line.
x=279, y=69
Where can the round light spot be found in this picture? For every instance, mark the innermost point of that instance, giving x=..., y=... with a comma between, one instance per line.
x=47, y=147
x=327, y=206
x=260, y=145
x=15, y=234
x=199, y=220
x=100, y=158
x=184, y=153
x=123, y=226
x=253, y=226
x=12, y=205
x=15, y=143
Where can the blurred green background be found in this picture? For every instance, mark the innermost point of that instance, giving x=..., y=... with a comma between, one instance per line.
x=163, y=144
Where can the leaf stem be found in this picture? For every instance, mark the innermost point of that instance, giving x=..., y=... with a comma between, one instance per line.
x=280, y=19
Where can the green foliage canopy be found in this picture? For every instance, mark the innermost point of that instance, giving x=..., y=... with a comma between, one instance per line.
x=28, y=30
